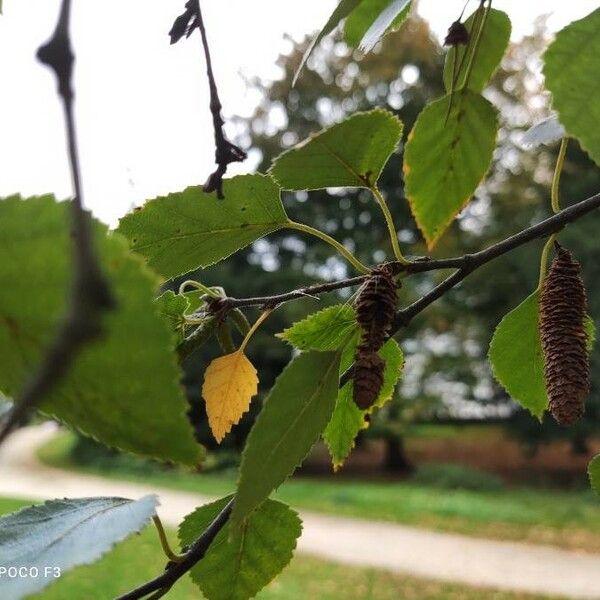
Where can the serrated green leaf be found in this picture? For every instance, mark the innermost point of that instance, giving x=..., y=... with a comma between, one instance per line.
x=62, y=534
x=446, y=157
x=123, y=389
x=294, y=415
x=342, y=10
x=347, y=419
x=590, y=331
x=372, y=19
x=493, y=45
x=191, y=229
x=571, y=65
x=173, y=308
x=241, y=561
x=349, y=154
x=325, y=330
x=594, y=474
x=517, y=359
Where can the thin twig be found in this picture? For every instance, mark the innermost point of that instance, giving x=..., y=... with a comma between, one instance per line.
x=175, y=571
x=225, y=151
x=466, y=263
x=90, y=293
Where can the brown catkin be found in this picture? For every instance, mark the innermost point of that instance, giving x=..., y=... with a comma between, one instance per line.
x=376, y=307
x=375, y=310
x=368, y=378
x=563, y=309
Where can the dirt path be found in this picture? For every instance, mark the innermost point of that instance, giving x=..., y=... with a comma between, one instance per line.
x=477, y=562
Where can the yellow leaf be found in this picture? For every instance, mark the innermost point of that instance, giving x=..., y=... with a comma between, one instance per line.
x=229, y=384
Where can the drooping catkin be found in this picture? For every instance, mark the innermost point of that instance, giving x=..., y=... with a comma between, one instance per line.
x=563, y=310
x=375, y=310
x=376, y=307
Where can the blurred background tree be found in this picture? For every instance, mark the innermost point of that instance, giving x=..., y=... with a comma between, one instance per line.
x=447, y=376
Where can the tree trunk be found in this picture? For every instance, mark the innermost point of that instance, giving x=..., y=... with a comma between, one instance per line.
x=396, y=460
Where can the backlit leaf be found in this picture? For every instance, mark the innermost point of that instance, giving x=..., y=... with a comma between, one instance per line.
x=572, y=63
x=241, y=561
x=517, y=359
x=230, y=382
x=375, y=18
x=493, y=45
x=124, y=388
x=342, y=10
x=594, y=474
x=191, y=229
x=446, y=157
x=349, y=154
x=347, y=419
x=61, y=534
x=325, y=330
x=293, y=417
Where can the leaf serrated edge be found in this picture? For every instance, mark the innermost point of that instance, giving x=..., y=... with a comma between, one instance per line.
x=334, y=363
x=391, y=117
x=431, y=241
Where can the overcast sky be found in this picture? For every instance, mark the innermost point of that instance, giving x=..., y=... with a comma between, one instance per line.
x=142, y=114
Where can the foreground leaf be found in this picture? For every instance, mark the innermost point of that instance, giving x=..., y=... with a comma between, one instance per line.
x=349, y=154
x=594, y=474
x=372, y=19
x=240, y=562
x=62, y=534
x=493, y=45
x=446, y=157
x=347, y=419
x=325, y=330
x=294, y=415
x=123, y=389
x=230, y=382
x=516, y=357
x=571, y=65
x=191, y=229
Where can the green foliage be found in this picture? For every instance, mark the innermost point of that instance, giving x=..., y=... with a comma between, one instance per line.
x=349, y=154
x=293, y=417
x=173, y=307
x=328, y=329
x=493, y=45
x=191, y=229
x=372, y=19
x=342, y=10
x=446, y=157
x=241, y=561
x=347, y=419
x=571, y=65
x=594, y=474
x=63, y=534
x=456, y=477
x=122, y=390
x=517, y=359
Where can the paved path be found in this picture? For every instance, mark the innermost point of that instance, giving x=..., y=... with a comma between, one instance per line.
x=397, y=548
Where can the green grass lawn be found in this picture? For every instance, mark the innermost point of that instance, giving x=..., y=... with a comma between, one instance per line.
x=140, y=558
x=566, y=519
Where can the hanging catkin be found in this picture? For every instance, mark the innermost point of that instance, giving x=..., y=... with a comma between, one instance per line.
x=375, y=310
x=563, y=309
